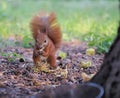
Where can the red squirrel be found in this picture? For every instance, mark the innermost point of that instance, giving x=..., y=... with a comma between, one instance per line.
x=47, y=35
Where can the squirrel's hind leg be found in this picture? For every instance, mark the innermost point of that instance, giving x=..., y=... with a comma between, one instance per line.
x=52, y=61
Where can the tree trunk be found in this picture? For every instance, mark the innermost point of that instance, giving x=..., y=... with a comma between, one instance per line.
x=109, y=74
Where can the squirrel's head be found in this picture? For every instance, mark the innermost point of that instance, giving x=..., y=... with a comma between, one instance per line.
x=41, y=41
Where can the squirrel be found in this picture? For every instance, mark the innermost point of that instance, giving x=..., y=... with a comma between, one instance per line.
x=47, y=35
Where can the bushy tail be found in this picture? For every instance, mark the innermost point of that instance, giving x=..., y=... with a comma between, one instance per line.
x=55, y=32
x=47, y=24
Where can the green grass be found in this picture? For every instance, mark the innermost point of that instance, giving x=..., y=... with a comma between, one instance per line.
x=94, y=21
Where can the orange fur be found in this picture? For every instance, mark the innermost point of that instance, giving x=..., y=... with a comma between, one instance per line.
x=47, y=35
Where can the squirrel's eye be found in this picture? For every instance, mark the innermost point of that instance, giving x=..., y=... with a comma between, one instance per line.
x=45, y=41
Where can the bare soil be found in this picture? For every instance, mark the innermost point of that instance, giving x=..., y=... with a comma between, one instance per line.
x=17, y=76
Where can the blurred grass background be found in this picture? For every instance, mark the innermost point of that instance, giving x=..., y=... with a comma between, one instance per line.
x=94, y=21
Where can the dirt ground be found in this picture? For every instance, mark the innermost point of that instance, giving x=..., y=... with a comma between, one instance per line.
x=18, y=77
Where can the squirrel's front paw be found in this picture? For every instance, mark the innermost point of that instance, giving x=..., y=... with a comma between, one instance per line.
x=44, y=53
x=35, y=54
x=39, y=52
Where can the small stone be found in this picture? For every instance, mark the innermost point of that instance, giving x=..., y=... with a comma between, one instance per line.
x=22, y=60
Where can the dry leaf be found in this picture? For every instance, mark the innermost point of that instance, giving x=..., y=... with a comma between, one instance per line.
x=44, y=68
x=2, y=84
x=62, y=54
x=36, y=83
x=90, y=51
x=86, y=77
x=39, y=83
x=41, y=67
x=85, y=64
x=61, y=72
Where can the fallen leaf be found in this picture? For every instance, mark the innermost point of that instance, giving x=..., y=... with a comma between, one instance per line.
x=2, y=84
x=86, y=77
x=61, y=54
x=85, y=64
x=61, y=72
x=90, y=51
x=43, y=68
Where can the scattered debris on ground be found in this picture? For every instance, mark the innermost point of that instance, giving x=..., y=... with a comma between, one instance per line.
x=19, y=76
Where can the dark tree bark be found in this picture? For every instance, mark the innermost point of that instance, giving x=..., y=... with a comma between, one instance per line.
x=109, y=74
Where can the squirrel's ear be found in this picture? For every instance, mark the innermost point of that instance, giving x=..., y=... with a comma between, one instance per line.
x=52, y=17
